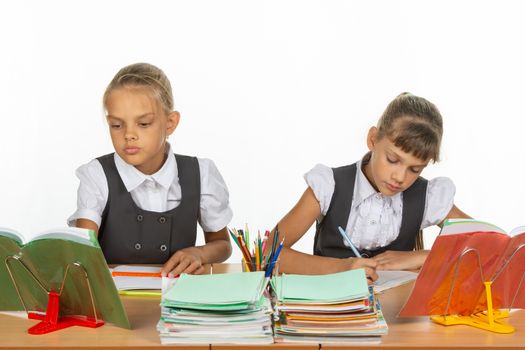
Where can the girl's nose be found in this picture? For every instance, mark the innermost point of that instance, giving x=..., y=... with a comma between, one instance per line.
x=399, y=176
x=130, y=135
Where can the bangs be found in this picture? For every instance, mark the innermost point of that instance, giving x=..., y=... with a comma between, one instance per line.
x=417, y=139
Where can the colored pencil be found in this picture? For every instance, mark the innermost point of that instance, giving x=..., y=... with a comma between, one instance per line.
x=247, y=236
x=233, y=237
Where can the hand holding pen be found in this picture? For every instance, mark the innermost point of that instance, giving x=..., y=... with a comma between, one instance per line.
x=368, y=264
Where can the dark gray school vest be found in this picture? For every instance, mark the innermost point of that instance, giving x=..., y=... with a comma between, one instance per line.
x=130, y=235
x=328, y=241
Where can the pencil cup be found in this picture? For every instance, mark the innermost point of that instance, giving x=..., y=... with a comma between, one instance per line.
x=273, y=267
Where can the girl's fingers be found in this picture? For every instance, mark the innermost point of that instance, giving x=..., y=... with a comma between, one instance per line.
x=180, y=268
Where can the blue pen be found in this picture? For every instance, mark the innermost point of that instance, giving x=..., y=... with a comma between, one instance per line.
x=274, y=260
x=349, y=242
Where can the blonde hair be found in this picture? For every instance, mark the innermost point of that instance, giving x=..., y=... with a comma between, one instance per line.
x=413, y=124
x=143, y=75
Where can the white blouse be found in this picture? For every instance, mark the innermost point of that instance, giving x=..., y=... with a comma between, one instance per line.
x=158, y=192
x=375, y=219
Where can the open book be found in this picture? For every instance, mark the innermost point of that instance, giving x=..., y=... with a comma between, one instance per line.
x=465, y=254
x=138, y=280
x=392, y=278
x=32, y=267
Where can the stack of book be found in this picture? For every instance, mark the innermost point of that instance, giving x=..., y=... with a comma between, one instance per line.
x=334, y=308
x=232, y=308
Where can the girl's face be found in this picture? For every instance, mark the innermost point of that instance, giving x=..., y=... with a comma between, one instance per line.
x=390, y=169
x=139, y=127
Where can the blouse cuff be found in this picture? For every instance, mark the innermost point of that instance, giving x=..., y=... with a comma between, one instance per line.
x=84, y=214
x=217, y=224
x=439, y=202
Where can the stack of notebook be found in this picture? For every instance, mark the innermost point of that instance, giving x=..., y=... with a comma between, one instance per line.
x=335, y=308
x=232, y=308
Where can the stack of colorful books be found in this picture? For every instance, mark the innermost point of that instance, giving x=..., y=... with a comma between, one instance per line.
x=232, y=308
x=334, y=308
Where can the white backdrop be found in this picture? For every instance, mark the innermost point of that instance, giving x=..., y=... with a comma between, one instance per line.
x=266, y=89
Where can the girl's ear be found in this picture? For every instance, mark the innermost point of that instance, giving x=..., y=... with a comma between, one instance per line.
x=173, y=121
x=371, y=139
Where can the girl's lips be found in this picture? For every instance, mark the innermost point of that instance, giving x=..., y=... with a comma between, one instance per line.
x=393, y=188
x=131, y=150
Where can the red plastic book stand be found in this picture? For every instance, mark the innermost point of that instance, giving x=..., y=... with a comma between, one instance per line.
x=51, y=322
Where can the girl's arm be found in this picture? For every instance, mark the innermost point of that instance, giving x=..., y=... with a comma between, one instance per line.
x=402, y=260
x=455, y=213
x=293, y=226
x=85, y=223
x=192, y=259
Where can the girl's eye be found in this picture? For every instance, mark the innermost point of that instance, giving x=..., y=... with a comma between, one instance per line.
x=392, y=161
x=115, y=126
x=144, y=125
x=415, y=171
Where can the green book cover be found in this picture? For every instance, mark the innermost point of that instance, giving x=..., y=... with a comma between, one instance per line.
x=46, y=257
x=334, y=287
x=228, y=291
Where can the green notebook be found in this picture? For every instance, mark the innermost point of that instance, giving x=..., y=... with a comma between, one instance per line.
x=45, y=258
x=226, y=292
x=336, y=287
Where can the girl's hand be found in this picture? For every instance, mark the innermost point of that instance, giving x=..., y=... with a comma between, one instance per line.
x=186, y=260
x=368, y=264
x=400, y=260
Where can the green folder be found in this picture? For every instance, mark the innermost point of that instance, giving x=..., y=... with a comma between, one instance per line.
x=336, y=287
x=226, y=292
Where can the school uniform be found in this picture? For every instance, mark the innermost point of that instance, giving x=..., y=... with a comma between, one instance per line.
x=147, y=218
x=374, y=222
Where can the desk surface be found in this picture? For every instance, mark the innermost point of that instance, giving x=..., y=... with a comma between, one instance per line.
x=144, y=312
